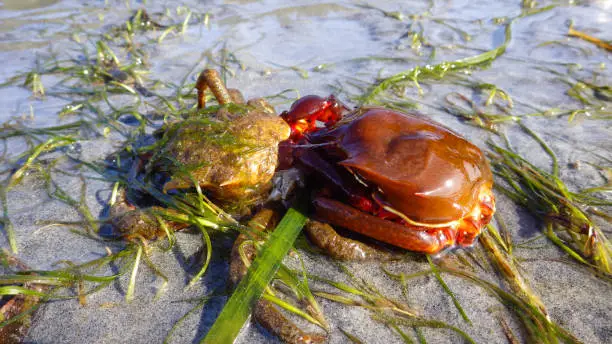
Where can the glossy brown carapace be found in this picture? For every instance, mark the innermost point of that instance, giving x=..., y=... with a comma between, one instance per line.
x=413, y=183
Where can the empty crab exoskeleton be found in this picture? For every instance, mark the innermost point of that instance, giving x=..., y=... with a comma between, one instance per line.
x=230, y=151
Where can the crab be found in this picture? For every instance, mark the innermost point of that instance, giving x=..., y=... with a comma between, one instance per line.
x=229, y=150
x=233, y=153
x=396, y=177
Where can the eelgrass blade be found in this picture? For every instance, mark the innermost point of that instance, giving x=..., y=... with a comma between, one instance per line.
x=402, y=334
x=303, y=293
x=292, y=308
x=372, y=298
x=129, y=296
x=547, y=197
x=208, y=242
x=16, y=290
x=508, y=331
x=238, y=308
x=450, y=293
x=7, y=225
x=350, y=337
x=51, y=144
x=537, y=324
x=506, y=266
x=437, y=71
x=421, y=322
x=420, y=335
x=53, y=278
x=584, y=36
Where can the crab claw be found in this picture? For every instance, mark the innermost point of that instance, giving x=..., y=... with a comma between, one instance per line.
x=308, y=113
x=410, y=238
x=470, y=226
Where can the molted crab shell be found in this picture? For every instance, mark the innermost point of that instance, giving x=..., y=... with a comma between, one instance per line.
x=232, y=159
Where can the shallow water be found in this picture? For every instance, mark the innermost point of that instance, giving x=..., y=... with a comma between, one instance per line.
x=282, y=46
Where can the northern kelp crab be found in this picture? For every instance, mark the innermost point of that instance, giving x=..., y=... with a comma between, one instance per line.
x=396, y=177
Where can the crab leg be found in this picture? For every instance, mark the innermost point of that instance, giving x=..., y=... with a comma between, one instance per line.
x=339, y=247
x=17, y=311
x=396, y=234
x=210, y=78
x=133, y=223
x=264, y=312
x=333, y=175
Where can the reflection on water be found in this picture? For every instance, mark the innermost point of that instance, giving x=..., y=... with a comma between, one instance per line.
x=15, y=5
